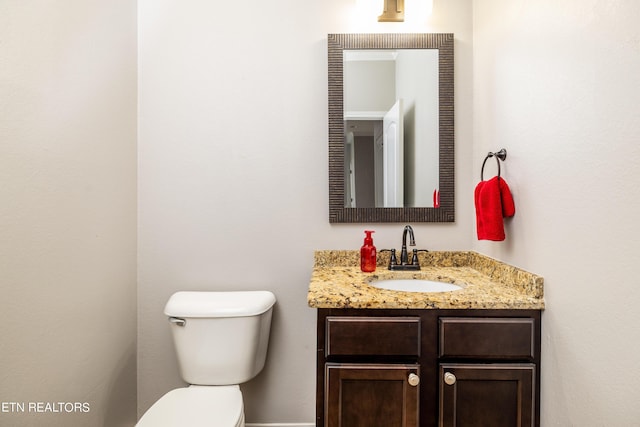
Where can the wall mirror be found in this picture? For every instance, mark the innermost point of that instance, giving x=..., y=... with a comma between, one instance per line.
x=391, y=128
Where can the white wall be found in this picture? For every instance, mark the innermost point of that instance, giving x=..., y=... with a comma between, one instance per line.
x=361, y=77
x=233, y=190
x=68, y=210
x=556, y=84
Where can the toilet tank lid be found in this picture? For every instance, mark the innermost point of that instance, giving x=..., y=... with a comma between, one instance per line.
x=219, y=304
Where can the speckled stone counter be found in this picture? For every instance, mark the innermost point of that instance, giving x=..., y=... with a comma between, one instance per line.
x=337, y=282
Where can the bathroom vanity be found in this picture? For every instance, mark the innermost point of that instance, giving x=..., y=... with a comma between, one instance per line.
x=395, y=358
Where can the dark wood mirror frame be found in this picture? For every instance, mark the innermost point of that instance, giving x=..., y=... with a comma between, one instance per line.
x=336, y=44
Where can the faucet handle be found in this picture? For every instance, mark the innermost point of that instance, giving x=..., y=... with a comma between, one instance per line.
x=414, y=258
x=392, y=258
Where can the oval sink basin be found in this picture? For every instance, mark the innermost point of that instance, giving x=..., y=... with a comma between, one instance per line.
x=415, y=285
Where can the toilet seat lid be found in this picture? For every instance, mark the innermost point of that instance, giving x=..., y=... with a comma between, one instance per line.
x=196, y=406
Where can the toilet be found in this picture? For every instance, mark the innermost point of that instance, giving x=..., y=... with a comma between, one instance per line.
x=221, y=341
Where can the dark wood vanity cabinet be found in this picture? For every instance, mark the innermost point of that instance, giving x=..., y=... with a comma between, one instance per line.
x=487, y=395
x=362, y=394
x=406, y=368
x=489, y=377
x=371, y=371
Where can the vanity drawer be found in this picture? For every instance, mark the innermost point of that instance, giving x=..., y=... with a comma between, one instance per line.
x=487, y=338
x=372, y=336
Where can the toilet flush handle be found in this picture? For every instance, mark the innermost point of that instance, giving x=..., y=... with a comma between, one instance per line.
x=177, y=321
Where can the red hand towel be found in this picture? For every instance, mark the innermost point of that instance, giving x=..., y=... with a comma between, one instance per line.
x=493, y=202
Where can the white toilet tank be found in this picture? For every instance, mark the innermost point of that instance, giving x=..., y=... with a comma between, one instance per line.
x=221, y=338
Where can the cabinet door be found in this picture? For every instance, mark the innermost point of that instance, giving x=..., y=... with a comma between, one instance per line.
x=364, y=395
x=491, y=395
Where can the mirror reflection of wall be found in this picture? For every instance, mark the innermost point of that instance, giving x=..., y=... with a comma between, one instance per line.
x=374, y=81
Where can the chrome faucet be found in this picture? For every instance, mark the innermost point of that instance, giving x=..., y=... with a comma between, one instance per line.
x=404, y=255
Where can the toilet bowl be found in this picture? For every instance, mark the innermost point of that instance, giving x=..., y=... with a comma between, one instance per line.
x=221, y=341
x=197, y=406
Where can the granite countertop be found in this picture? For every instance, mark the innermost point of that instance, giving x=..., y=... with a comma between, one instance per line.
x=337, y=282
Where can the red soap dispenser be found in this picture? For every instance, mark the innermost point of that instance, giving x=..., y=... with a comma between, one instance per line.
x=368, y=254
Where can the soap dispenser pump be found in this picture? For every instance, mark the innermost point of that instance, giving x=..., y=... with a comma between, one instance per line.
x=368, y=256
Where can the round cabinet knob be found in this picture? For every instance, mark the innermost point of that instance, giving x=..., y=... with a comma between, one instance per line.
x=449, y=378
x=414, y=380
